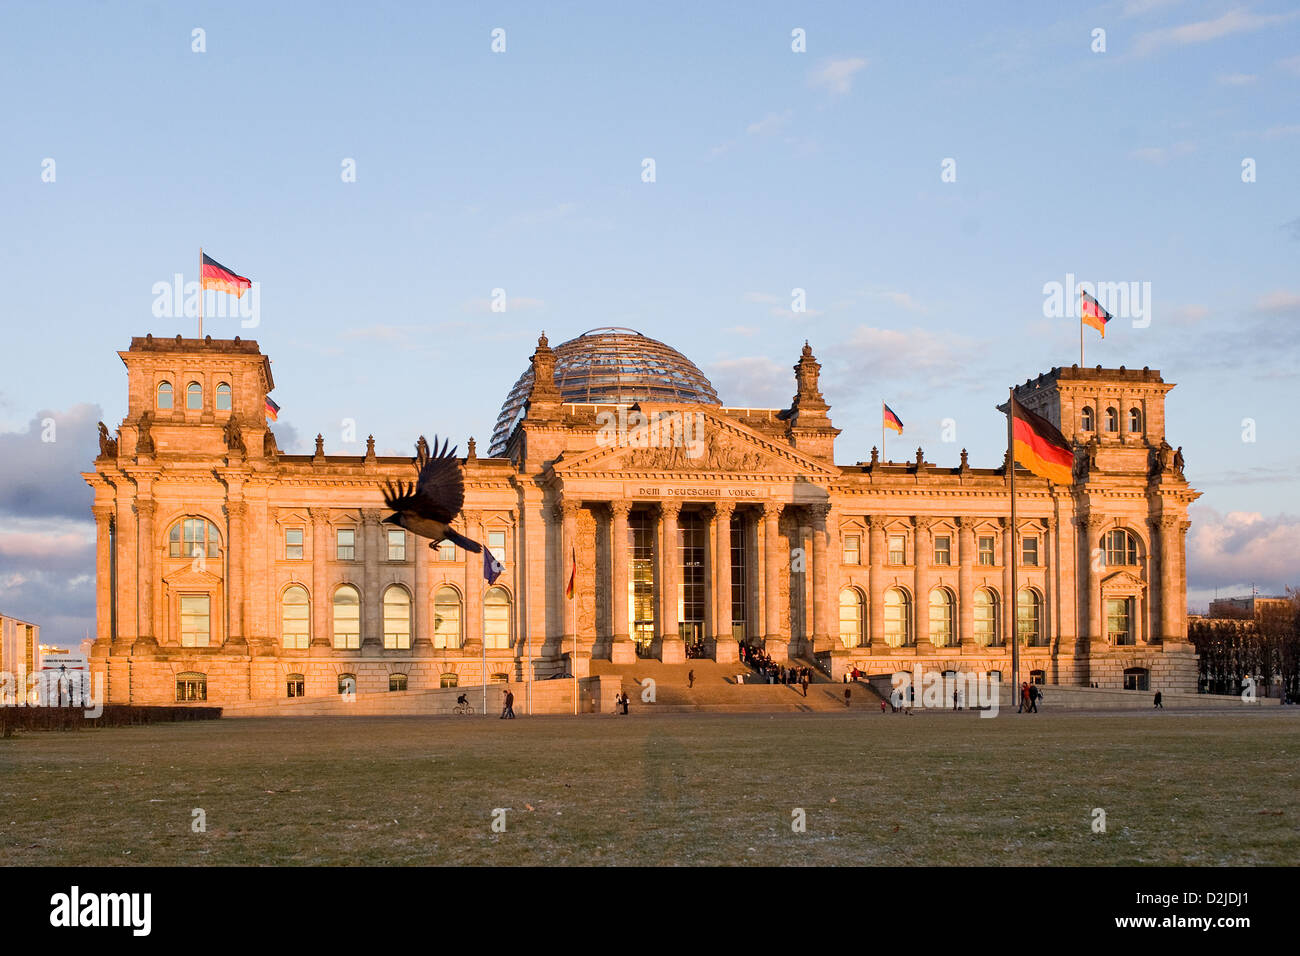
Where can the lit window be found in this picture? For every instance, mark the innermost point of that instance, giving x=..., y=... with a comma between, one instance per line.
x=397, y=682
x=1029, y=605
x=446, y=618
x=396, y=544
x=1137, y=678
x=1119, y=629
x=898, y=618
x=194, y=396
x=346, y=544
x=347, y=684
x=852, y=549
x=293, y=544
x=397, y=619
x=165, y=396
x=942, y=549
x=1029, y=551
x=1121, y=548
x=897, y=549
x=223, y=397
x=196, y=620
x=986, y=543
x=347, y=618
x=941, y=629
x=193, y=538
x=296, y=685
x=497, y=545
x=1134, y=419
x=986, y=617
x=191, y=686
x=448, y=680
x=1112, y=420
x=1037, y=677
x=851, y=631
x=446, y=550
x=295, y=618
x=496, y=618
x=1087, y=422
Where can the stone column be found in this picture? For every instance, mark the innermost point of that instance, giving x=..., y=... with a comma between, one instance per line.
x=372, y=636
x=821, y=639
x=965, y=567
x=103, y=576
x=421, y=614
x=724, y=645
x=128, y=564
x=777, y=645
x=672, y=649
x=1089, y=527
x=923, y=551
x=1177, y=626
x=144, y=509
x=472, y=582
x=236, y=541
x=876, y=557
x=568, y=514
x=622, y=651
x=1008, y=599
x=321, y=603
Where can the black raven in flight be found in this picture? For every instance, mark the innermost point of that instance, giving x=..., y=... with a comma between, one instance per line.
x=428, y=507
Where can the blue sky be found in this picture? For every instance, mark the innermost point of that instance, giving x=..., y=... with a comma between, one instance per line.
x=775, y=170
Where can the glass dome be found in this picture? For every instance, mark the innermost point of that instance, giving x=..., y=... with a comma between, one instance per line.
x=611, y=366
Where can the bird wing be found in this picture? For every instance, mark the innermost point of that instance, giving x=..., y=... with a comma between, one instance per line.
x=440, y=490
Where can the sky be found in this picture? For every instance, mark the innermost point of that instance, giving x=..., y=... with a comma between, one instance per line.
x=921, y=172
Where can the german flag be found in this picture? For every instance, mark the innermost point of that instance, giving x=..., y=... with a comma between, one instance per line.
x=1093, y=314
x=214, y=275
x=573, y=573
x=892, y=420
x=1038, y=446
x=272, y=409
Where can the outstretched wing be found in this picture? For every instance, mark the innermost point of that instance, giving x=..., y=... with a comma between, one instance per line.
x=440, y=490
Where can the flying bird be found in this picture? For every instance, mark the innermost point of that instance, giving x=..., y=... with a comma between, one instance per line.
x=428, y=507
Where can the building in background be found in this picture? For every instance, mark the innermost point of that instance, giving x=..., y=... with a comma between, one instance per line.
x=1250, y=606
x=227, y=570
x=20, y=658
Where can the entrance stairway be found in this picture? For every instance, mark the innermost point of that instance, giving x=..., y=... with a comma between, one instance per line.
x=717, y=691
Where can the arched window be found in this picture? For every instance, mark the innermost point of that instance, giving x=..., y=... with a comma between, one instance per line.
x=191, y=686
x=941, y=605
x=446, y=618
x=397, y=682
x=1087, y=421
x=397, y=618
x=164, y=396
x=1137, y=678
x=223, y=397
x=448, y=680
x=194, y=396
x=193, y=538
x=295, y=685
x=851, y=617
x=986, y=617
x=1135, y=419
x=1121, y=548
x=500, y=679
x=295, y=617
x=496, y=618
x=347, y=618
x=1037, y=677
x=898, y=618
x=1029, y=616
x=1112, y=420
x=347, y=685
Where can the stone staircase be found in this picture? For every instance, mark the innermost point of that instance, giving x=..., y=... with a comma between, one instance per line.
x=716, y=689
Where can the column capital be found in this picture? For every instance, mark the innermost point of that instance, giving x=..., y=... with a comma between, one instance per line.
x=236, y=509
x=771, y=510
x=145, y=507
x=371, y=516
x=670, y=509
x=723, y=510
x=820, y=511
x=472, y=517
x=567, y=507
x=620, y=508
x=922, y=522
x=319, y=516
x=102, y=512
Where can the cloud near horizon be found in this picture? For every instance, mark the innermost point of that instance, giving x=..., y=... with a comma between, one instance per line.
x=1233, y=551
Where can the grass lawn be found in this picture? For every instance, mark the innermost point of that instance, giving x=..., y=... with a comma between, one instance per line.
x=1202, y=789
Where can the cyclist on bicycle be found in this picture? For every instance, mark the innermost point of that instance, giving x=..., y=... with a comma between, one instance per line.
x=463, y=700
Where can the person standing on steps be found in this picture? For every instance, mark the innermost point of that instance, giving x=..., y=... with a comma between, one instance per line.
x=690, y=678
x=848, y=692
x=804, y=682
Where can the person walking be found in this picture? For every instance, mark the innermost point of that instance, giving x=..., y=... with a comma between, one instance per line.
x=848, y=692
x=1033, y=698
x=1024, y=697
x=1159, y=705
x=508, y=711
x=804, y=682
x=690, y=678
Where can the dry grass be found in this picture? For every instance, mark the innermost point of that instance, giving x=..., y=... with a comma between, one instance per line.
x=672, y=789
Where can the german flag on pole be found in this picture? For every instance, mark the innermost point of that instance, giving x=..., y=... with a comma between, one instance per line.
x=216, y=276
x=272, y=409
x=1093, y=314
x=1038, y=446
x=573, y=573
x=892, y=420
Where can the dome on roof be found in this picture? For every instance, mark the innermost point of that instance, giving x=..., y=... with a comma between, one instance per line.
x=611, y=366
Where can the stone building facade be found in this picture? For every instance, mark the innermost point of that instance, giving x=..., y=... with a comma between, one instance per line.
x=229, y=571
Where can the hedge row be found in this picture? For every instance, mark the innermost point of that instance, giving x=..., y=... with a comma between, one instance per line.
x=114, y=715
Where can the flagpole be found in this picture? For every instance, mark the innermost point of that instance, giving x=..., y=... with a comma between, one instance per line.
x=1015, y=594
x=1080, y=331
x=882, y=431
x=200, y=292
x=482, y=640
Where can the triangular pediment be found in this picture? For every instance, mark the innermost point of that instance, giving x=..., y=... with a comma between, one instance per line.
x=696, y=442
x=1123, y=581
x=194, y=575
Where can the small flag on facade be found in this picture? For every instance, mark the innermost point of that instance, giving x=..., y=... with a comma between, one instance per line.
x=272, y=409
x=1093, y=314
x=1039, y=446
x=492, y=568
x=216, y=276
x=892, y=420
x=573, y=573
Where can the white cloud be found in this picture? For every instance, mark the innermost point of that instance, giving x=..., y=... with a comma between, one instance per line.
x=837, y=75
x=1279, y=301
x=1162, y=154
x=514, y=303
x=1276, y=132
x=752, y=381
x=771, y=123
x=1237, y=79
x=903, y=300
x=1243, y=548
x=1203, y=31
x=1137, y=8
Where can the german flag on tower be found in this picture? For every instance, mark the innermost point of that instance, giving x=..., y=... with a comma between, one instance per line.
x=1093, y=314
x=213, y=275
x=1039, y=446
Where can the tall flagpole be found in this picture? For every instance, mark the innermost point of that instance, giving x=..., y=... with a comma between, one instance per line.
x=482, y=640
x=1014, y=598
x=1080, y=330
x=882, y=431
x=200, y=292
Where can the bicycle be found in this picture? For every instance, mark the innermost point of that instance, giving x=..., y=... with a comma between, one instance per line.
x=463, y=707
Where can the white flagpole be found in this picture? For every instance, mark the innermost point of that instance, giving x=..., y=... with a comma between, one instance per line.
x=200, y=292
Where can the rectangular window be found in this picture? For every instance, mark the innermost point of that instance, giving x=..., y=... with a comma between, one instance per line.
x=1119, y=615
x=852, y=549
x=1029, y=551
x=692, y=542
x=346, y=545
x=986, y=550
x=497, y=545
x=738, y=580
x=293, y=544
x=396, y=544
x=897, y=549
x=196, y=621
x=191, y=687
x=446, y=550
x=942, y=549
x=641, y=582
